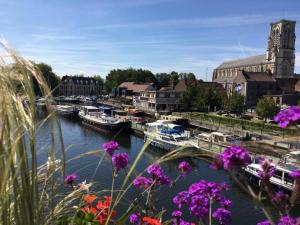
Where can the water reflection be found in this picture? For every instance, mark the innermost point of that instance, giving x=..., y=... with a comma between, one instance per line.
x=80, y=139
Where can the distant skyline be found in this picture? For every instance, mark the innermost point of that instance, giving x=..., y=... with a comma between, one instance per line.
x=92, y=37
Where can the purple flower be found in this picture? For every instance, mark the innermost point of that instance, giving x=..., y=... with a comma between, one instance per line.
x=110, y=147
x=226, y=203
x=69, y=179
x=295, y=174
x=120, y=160
x=223, y=215
x=234, y=157
x=181, y=198
x=286, y=220
x=268, y=170
x=158, y=176
x=133, y=218
x=287, y=116
x=182, y=222
x=155, y=170
x=266, y=222
x=177, y=213
x=199, y=206
x=185, y=168
x=142, y=182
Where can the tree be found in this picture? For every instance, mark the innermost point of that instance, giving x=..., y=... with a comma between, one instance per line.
x=189, y=97
x=234, y=103
x=200, y=97
x=50, y=77
x=266, y=108
x=187, y=76
x=163, y=79
x=116, y=77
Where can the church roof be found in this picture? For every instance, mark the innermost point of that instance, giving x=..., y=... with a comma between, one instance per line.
x=249, y=61
x=258, y=76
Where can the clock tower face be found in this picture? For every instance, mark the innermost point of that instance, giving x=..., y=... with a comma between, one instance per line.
x=281, y=48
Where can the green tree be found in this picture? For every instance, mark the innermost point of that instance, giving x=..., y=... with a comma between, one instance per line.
x=187, y=76
x=266, y=108
x=189, y=97
x=50, y=77
x=118, y=76
x=234, y=103
x=199, y=97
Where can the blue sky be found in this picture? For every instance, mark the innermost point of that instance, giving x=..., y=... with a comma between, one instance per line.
x=94, y=36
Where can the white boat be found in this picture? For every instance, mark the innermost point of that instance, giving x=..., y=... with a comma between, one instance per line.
x=292, y=158
x=167, y=136
x=215, y=138
x=95, y=118
x=281, y=178
x=66, y=110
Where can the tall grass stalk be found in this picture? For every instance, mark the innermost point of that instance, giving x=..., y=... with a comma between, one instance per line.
x=24, y=194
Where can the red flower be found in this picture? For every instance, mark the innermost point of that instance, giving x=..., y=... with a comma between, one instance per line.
x=151, y=221
x=87, y=209
x=89, y=198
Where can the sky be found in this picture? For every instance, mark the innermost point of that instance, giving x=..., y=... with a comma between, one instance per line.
x=92, y=37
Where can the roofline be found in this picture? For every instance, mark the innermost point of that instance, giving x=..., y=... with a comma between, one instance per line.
x=283, y=21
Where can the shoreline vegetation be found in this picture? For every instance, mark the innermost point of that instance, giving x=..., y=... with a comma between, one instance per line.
x=32, y=193
x=240, y=124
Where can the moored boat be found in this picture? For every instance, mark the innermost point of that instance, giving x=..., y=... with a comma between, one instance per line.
x=97, y=119
x=167, y=136
x=66, y=110
x=281, y=179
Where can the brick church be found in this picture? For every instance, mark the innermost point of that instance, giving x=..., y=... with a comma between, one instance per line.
x=268, y=74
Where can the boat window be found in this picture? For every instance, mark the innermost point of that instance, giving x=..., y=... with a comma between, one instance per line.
x=165, y=138
x=278, y=174
x=288, y=178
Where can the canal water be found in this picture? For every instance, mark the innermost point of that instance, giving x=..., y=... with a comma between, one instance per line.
x=79, y=139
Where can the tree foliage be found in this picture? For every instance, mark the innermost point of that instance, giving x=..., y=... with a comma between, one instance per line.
x=171, y=79
x=50, y=77
x=266, y=108
x=118, y=76
x=234, y=103
x=201, y=98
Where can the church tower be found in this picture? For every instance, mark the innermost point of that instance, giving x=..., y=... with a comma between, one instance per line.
x=281, y=48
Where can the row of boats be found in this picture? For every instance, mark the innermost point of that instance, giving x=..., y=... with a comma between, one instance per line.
x=167, y=135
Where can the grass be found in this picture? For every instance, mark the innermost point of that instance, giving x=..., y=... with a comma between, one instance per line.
x=241, y=124
x=32, y=193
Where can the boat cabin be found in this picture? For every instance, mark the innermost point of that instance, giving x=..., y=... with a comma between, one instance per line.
x=218, y=137
x=89, y=109
x=292, y=158
x=105, y=109
x=205, y=137
x=281, y=176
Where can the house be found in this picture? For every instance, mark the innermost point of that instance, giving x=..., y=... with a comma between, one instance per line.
x=78, y=85
x=163, y=101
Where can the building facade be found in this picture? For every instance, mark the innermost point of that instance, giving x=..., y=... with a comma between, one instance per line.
x=278, y=62
x=163, y=101
x=77, y=85
x=254, y=85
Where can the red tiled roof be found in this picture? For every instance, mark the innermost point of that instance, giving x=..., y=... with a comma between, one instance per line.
x=135, y=87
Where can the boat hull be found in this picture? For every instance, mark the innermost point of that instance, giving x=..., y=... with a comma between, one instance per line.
x=163, y=145
x=124, y=126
